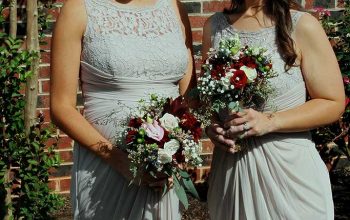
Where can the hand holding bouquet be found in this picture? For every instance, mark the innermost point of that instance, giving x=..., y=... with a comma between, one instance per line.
x=235, y=77
x=162, y=137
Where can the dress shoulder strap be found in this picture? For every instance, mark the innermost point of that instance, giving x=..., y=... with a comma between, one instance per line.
x=296, y=15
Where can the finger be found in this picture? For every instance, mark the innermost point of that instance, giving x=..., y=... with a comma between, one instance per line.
x=220, y=145
x=235, y=122
x=212, y=134
x=234, y=131
x=230, y=149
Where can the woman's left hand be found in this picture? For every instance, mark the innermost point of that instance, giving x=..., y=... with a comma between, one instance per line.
x=253, y=123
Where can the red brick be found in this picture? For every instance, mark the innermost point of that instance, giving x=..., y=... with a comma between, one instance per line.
x=215, y=6
x=197, y=21
x=45, y=57
x=65, y=143
x=53, y=185
x=309, y=4
x=197, y=36
x=47, y=43
x=45, y=86
x=341, y=4
x=51, y=142
x=207, y=146
x=43, y=101
x=44, y=72
x=66, y=156
x=64, y=185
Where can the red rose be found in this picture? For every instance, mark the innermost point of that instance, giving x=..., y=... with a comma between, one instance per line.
x=218, y=71
x=135, y=122
x=197, y=133
x=131, y=136
x=187, y=121
x=190, y=123
x=249, y=62
x=237, y=65
x=239, y=79
x=179, y=157
x=176, y=107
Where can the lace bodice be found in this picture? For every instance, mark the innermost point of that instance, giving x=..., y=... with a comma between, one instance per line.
x=144, y=43
x=285, y=82
x=128, y=53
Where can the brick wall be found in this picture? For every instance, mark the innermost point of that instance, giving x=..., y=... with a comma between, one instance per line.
x=199, y=11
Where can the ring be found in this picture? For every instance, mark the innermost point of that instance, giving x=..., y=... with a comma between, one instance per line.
x=242, y=135
x=245, y=126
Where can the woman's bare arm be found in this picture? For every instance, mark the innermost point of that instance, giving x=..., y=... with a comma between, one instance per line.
x=65, y=64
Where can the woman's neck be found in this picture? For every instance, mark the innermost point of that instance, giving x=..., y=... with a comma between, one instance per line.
x=252, y=7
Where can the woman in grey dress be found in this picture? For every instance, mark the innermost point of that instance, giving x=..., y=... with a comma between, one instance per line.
x=280, y=174
x=123, y=50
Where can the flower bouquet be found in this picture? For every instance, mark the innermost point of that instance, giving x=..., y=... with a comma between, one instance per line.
x=234, y=77
x=162, y=137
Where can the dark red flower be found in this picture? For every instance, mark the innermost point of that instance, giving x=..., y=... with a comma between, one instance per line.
x=239, y=79
x=165, y=139
x=237, y=65
x=131, y=136
x=249, y=62
x=135, y=122
x=176, y=107
x=179, y=157
x=197, y=133
x=190, y=123
x=218, y=71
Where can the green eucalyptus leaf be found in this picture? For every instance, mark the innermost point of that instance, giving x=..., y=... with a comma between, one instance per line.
x=180, y=192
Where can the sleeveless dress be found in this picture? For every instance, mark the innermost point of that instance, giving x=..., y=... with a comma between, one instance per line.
x=280, y=175
x=127, y=53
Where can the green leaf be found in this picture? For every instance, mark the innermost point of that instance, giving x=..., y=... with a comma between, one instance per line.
x=187, y=182
x=180, y=192
x=183, y=173
x=33, y=162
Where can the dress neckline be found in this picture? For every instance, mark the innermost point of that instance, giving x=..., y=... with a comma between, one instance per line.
x=129, y=8
x=262, y=30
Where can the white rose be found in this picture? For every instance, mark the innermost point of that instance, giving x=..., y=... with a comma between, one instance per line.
x=250, y=73
x=169, y=122
x=166, y=155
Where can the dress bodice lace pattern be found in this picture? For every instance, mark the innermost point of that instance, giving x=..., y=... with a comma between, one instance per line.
x=127, y=53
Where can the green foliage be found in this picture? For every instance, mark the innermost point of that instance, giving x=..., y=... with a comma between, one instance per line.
x=26, y=157
x=36, y=201
x=333, y=139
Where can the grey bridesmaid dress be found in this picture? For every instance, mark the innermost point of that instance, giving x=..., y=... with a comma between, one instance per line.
x=281, y=175
x=127, y=53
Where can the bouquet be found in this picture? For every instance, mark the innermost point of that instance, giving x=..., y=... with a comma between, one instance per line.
x=160, y=137
x=235, y=77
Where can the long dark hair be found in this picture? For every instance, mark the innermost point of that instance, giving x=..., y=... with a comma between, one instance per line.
x=279, y=12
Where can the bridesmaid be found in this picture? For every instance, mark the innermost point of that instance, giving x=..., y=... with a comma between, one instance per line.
x=123, y=50
x=280, y=175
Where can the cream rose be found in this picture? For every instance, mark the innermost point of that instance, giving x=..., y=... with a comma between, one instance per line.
x=250, y=73
x=169, y=121
x=165, y=155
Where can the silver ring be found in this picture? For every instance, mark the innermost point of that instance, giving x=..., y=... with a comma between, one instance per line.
x=242, y=135
x=245, y=126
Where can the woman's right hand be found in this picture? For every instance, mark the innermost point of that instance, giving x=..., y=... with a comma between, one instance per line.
x=119, y=161
x=217, y=135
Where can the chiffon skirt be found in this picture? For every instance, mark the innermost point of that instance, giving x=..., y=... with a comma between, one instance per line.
x=279, y=176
